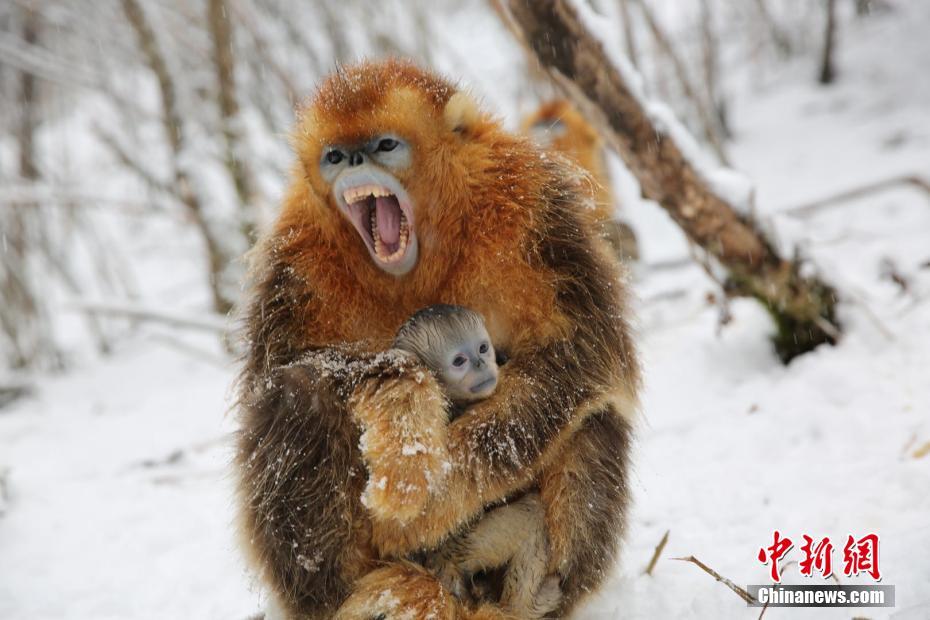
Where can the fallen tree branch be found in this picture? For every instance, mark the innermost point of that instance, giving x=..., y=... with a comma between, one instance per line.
x=801, y=306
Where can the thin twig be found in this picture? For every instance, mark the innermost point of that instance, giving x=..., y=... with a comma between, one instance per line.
x=657, y=553
x=860, y=301
x=209, y=322
x=708, y=127
x=813, y=207
x=195, y=352
x=743, y=594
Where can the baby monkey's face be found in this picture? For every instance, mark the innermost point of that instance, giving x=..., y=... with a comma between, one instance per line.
x=469, y=369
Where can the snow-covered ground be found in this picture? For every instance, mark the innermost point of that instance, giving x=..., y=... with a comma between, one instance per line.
x=117, y=479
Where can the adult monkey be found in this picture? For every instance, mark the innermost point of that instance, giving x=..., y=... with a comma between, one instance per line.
x=404, y=195
x=558, y=125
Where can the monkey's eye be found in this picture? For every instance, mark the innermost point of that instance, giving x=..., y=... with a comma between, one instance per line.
x=334, y=156
x=483, y=348
x=387, y=144
x=458, y=361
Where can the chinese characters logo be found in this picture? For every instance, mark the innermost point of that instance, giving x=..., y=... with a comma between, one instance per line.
x=859, y=556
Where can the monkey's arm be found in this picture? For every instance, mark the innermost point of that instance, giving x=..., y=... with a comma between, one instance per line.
x=301, y=474
x=545, y=391
x=403, y=426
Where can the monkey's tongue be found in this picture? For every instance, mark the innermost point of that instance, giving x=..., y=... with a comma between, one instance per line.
x=387, y=212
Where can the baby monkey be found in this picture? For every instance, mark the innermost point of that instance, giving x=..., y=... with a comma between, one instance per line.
x=453, y=342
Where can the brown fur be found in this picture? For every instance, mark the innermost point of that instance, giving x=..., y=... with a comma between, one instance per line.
x=581, y=142
x=499, y=233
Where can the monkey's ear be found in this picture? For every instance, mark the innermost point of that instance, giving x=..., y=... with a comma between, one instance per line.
x=461, y=112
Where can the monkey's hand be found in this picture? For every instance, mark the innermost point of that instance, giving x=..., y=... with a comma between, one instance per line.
x=403, y=416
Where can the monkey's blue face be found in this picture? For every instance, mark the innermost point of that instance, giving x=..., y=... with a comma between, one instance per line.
x=470, y=371
x=373, y=200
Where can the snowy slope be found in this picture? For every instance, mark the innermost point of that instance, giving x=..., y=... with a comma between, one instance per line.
x=119, y=485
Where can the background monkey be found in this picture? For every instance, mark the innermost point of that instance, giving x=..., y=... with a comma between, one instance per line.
x=453, y=343
x=467, y=214
x=560, y=126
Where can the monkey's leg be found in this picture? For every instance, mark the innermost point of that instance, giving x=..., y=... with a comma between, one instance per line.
x=495, y=539
x=585, y=493
x=527, y=591
x=514, y=534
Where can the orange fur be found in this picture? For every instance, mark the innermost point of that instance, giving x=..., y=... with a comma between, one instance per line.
x=578, y=140
x=498, y=233
x=581, y=142
x=407, y=591
x=471, y=218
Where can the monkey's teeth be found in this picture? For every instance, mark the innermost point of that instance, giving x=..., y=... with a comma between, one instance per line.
x=381, y=249
x=354, y=194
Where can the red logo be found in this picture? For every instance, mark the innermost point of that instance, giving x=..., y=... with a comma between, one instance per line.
x=775, y=552
x=859, y=556
x=817, y=557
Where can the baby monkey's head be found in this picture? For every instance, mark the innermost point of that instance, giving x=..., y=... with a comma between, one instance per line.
x=453, y=342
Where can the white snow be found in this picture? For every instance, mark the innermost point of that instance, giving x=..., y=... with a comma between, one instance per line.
x=119, y=499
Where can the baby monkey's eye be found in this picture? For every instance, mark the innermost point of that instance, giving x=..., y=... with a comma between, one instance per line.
x=334, y=156
x=387, y=144
x=459, y=361
x=484, y=348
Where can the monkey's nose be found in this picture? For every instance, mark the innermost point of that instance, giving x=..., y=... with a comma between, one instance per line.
x=357, y=158
x=479, y=363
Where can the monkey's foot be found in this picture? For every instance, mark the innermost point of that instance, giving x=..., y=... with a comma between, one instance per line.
x=449, y=575
x=398, y=591
x=404, y=591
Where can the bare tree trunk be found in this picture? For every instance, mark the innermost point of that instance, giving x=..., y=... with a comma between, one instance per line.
x=711, y=57
x=217, y=258
x=779, y=37
x=220, y=26
x=802, y=307
x=705, y=119
x=23, y=319
x=827, y=68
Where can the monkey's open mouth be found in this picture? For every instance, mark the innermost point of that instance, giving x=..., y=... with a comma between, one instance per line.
x=382, y=214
